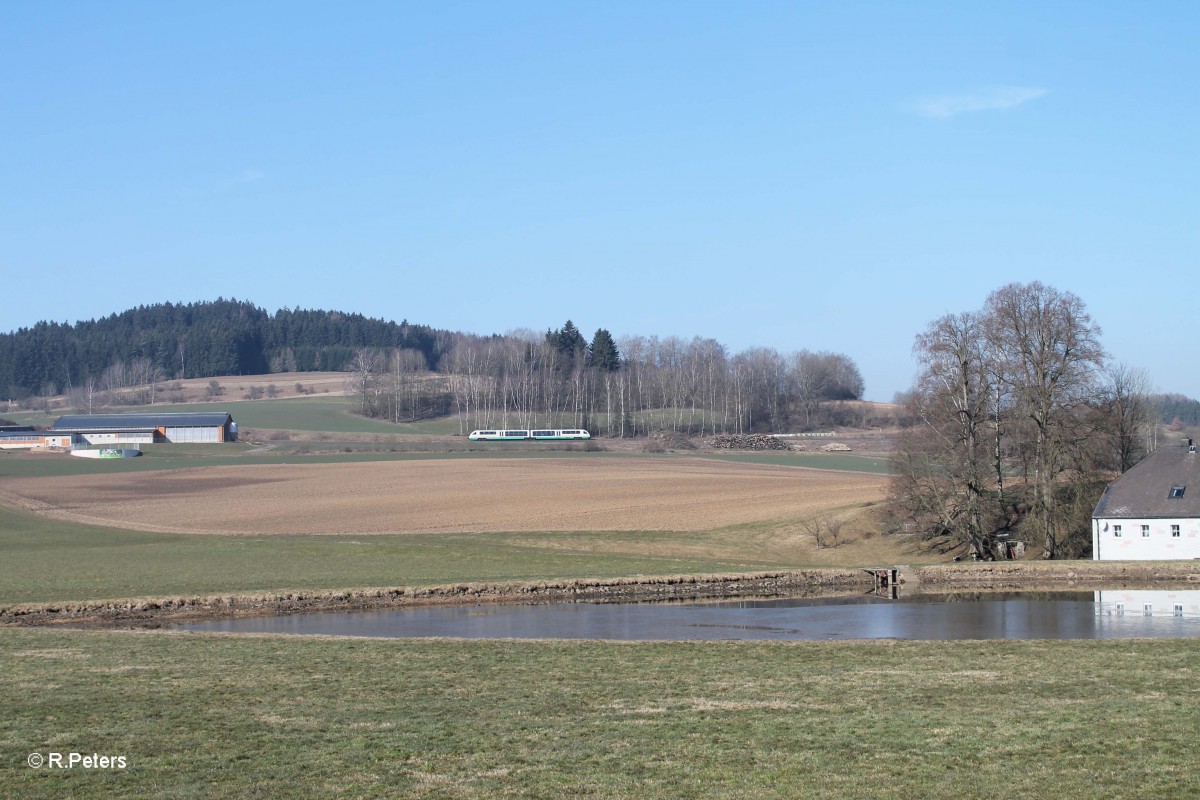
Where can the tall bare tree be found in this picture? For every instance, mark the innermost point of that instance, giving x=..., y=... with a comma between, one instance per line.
x=1126, y=395
x=145, y=375
x=1052, y=354
x=364, y=375
x=407, y=367
x=1013, y=387
x=939, y=475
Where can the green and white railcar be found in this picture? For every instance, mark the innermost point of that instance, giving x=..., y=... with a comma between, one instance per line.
x=542, y=435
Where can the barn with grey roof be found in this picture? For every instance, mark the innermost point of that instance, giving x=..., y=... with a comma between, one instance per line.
x=209, y=427
x=1152, y=511
x=107, y=430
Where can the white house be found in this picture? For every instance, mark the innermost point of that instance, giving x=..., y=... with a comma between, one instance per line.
x=1152, y=511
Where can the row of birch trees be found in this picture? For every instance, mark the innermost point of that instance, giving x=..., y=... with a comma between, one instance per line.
x=135, y=382
x=625, y=387
x=1017, y=421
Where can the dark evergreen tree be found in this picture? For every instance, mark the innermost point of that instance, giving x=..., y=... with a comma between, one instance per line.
x=603, y=353
x=569, y=342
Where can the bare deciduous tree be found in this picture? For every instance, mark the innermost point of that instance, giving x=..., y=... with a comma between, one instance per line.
x=364, y=373
x=1127, y=405
x=1052, y=354
x=1015, y=385
x=952, y=402
x=825, y=530
x=408, y=366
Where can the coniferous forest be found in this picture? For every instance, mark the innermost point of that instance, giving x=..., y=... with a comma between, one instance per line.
x=195, y=340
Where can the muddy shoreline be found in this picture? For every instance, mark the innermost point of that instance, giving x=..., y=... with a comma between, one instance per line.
x=149, y=611
x=177, y=609
x=1065, y=574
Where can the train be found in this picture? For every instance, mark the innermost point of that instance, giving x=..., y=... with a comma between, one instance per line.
x=543, y=435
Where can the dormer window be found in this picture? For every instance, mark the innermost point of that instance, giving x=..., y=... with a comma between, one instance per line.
x=1177, y=492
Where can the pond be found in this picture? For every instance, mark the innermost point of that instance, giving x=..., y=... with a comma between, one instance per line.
x=1104, y=614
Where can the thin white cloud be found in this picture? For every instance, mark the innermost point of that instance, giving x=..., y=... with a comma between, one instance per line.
x=221, y=185
x=248, y=176
x=997, y=98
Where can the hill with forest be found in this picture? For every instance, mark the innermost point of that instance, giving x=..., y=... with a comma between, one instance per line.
x=403, y=372
x=195, y=340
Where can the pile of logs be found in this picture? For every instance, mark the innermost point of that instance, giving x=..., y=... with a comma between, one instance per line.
x=672, y=440
x=746, y=441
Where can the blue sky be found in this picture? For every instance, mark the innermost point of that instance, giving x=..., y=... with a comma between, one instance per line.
x=829, y=176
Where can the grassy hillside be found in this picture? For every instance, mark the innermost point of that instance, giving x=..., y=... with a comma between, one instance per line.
x=50, y=560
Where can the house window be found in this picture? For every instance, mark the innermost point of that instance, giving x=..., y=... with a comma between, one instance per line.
x=1116, y=531
x=1174, y=531
x=1177, y=492
x=1145, y=531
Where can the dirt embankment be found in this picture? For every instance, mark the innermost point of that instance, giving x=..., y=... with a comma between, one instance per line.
x=175, y=609
x=1062, y=575
x=1065, y=574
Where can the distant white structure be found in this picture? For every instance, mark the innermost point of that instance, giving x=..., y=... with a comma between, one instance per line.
x=107, y=452
x=1152, y=512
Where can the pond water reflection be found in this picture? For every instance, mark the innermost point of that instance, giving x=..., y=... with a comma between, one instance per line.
x=1105, y=614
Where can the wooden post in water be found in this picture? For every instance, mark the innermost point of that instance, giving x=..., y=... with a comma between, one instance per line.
x=886, y=581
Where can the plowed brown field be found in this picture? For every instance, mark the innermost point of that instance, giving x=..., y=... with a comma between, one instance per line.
x=452, y=495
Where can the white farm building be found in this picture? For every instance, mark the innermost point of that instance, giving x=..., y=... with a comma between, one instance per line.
x=25, y=438
x=1152, y=511
x=106, y=430
x=109, y=430
x=76, y=431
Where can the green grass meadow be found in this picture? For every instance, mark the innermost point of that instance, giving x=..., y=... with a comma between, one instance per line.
x=839, y=461
x=321, y=413
x=48, y=560
x=210, y=716
x=325, y=414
